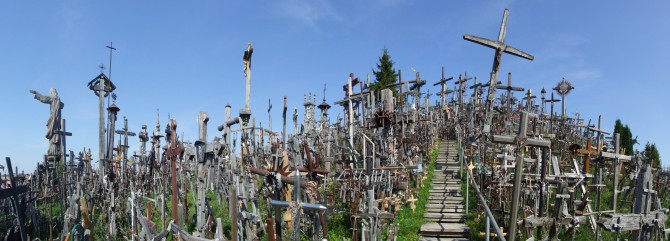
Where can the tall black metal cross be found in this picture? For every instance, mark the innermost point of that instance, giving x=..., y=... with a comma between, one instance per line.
x=111, y=49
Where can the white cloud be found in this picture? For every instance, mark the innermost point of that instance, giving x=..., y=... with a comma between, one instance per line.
x=586, y=74
x=307, y=12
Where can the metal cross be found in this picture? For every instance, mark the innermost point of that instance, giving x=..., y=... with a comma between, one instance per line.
x=111, y=49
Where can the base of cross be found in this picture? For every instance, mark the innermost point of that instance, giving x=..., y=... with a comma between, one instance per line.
x=51, y=161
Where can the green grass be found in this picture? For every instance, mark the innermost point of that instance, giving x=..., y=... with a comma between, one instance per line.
x=409, y=221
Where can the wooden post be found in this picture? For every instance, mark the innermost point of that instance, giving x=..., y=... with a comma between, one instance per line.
x=521, y=137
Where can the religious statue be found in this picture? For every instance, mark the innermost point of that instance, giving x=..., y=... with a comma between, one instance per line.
x=54, y=122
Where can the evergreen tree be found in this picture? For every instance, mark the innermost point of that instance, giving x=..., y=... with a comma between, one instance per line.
x=626, y=137
x=385, y=74
x=652, y=155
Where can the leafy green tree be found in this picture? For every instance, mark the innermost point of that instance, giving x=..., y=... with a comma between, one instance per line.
x=385, y=74
x=652, y=155
x=626, y=137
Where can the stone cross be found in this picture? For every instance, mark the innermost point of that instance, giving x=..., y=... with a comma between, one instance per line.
x=500, y=47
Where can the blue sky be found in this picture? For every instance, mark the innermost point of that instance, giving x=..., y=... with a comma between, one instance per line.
x=183, y=58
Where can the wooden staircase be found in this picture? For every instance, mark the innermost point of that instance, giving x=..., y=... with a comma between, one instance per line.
x=445, y=206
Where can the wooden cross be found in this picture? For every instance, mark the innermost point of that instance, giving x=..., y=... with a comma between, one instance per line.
x=460, y=82
x=587, y=152
x=509, y=89
x=13, y=193
x=528, y=99
x=500, y=47
x=443, y=83
x=126, y=133
x=552, y=100
x=617, y=156
x=521, y=140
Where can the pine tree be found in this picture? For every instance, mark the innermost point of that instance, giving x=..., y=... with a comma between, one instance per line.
x=385, y=74
x=652, y=155
x=626, y=137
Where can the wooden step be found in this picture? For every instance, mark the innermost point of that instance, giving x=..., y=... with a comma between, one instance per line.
x=455, y=230
x=438, y=206
x=443, y=201
x=442, y=239
x=445, y=217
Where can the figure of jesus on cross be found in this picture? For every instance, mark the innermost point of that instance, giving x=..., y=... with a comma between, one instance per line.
x=54, y=122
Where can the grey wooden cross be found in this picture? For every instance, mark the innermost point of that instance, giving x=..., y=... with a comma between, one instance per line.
x=461, y=80
x=443, y=84
x=126, y=133
x=551, y=115
x=521, y=140
x=509, y=89
x=13, y=193
x=501, y=47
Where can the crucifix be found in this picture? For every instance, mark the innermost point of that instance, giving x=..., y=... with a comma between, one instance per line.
x=500, y=47
x=246, y=59
x=443, y=84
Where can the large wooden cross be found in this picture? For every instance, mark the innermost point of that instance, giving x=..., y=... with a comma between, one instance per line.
x=500, y=47
x=13, y=193
x=521, y=140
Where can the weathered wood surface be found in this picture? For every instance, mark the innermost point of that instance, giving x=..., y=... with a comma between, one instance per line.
x=445, y=202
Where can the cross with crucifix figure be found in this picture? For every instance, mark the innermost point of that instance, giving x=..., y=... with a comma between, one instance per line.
x=500, y=47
